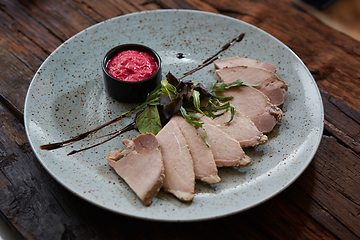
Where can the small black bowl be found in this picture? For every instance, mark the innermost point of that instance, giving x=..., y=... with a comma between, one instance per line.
x=131, y=92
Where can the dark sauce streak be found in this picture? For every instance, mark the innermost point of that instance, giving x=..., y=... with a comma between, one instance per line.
x=215, y=56
x=131, y=126
x=52, y=146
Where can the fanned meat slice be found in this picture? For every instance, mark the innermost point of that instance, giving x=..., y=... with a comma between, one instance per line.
x=270, y=84
x=140, y=165
x=255, y=105
x=238, y=61
x=179, y=167
x=226, y=150
x=242, y=129
x=204, y=163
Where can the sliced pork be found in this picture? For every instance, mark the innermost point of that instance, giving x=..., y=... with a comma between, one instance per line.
x=179, y=167
x=140, y=165
x=204, y=164
x=270, y=84
x=242, y=129
x=255, y=105
x=238, y=61
x=226, y=150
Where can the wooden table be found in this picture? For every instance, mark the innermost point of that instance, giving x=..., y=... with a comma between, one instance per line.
x=324, y=203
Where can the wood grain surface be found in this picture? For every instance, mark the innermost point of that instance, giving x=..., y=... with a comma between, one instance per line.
x=324, y=203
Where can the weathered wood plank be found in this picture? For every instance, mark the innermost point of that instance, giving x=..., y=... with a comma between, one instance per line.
x=202, y=6
x=175, y=4
x=302, y=198
x=106, y=9
x=21, y=21
x=333, y=182
x=88, y=11
x=282, y=219
x=187, y=4
x=343, y=137
x=60, y=18
x=150, y=6
x=22, y=47
x=126, y=6
x=15, y=77
x=344, y=118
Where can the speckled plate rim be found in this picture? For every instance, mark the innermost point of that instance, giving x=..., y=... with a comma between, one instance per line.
x=297, y=162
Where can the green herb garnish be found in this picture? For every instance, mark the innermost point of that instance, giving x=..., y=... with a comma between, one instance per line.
x=149, y=120
x=216, y=87
x=175, y=96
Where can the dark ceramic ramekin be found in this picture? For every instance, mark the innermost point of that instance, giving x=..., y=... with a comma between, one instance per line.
x=131, y=92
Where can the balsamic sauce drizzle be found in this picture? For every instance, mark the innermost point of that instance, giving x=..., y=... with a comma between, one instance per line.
x=131, y=126
x=215, y=56
x=52, y=146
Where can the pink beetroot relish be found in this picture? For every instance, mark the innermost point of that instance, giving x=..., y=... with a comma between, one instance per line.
x=132, y=66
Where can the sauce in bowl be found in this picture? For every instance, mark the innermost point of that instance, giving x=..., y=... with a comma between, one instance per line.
x=132, y=66
x=130, y=72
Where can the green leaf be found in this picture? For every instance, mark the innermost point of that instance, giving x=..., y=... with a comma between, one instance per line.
x=189, y=117
x=170, y=101
x=220, y=87
x=213, y=86
x=214, y=107
x=232, y=111
x=168, y=89
x=149, y=120
x=223, y=99
x=153, y=98
x=196, y=101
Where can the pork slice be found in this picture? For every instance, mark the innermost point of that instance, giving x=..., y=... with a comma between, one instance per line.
x=255, y=105
x=179, y=167
x=242, y=129
x=226, y=150
x=140, y=165
x=269, y=82
x=204, y=163
x=238, y=61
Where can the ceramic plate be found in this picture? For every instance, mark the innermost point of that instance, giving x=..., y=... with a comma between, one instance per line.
x=66, y=97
